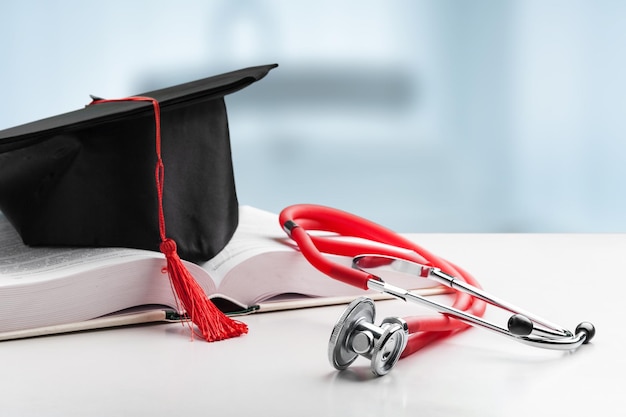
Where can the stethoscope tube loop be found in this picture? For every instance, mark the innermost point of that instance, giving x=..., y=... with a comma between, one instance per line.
x=297, y=219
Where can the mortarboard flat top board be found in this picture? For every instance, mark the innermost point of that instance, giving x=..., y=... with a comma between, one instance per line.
x=87, y=177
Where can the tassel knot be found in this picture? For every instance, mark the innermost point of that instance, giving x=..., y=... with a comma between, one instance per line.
x=168, y=247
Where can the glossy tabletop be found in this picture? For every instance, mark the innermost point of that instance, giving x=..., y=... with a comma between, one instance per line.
x=281, y=367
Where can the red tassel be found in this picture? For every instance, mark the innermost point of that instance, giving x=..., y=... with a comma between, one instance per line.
x=212, y=323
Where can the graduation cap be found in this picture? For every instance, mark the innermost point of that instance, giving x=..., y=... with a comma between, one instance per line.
x=116, y=172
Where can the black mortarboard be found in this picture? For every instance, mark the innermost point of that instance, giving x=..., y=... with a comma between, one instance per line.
x=112, y=173
x=87, y=178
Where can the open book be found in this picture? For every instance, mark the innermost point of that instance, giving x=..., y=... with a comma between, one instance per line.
x=259, y=270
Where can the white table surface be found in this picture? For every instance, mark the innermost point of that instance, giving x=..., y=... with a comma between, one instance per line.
x=281, y=369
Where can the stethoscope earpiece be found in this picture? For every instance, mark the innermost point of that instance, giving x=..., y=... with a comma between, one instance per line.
x=355, y=334
x=587, y=329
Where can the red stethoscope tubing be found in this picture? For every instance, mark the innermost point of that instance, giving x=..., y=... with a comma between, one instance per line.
x=299, y=219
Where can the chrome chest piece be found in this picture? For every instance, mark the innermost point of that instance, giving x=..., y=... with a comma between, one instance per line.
x=355, y=334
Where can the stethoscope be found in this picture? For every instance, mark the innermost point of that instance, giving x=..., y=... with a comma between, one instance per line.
x=319, y=230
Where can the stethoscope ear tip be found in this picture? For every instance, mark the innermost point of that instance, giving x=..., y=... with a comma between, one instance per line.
x=520, y=325
x=587, y=328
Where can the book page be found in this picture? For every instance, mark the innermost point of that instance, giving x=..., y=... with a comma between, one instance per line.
x=55, y=286
x=25, y=263
x=258, y=232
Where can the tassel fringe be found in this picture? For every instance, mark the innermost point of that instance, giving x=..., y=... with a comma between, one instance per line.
x=212, y=323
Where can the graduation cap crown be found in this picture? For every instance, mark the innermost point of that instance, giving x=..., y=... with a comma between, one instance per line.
x=86, y=178
x=96, y=177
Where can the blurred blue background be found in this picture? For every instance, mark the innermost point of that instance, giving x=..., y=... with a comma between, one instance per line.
x=425, y=116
